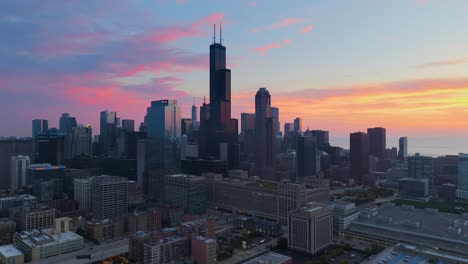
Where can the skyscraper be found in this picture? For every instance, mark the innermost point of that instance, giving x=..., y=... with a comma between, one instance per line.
x=322, y=137
x=462, y=190
x=81, y=140
x=421, y=167
x=221, y=129
x=50, y=148
x=264, y=136
x=109, y=196
x=276, y=120
x=8, y=148
x=310, y=229
x=298, y=124
x=66, y=123
x=247, y=122
x=194, y=118
x=359, y=157
x=162, y=145
x=108, y=136
x=128, y=125
x=19, y=172
x=402, y=148
x=307, y=158
x=39, y=126
x=288, y=127
x=377, y=142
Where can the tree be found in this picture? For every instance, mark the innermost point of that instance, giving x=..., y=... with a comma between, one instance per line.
x=324, y=259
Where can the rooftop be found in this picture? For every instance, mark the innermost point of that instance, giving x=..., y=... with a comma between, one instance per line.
x=263, y=184
x=40, y=167
x=9, y=251
x=36, y=238
x=269, y=257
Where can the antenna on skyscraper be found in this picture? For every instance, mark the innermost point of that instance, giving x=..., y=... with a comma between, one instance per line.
x=221, y=34
x=204, y=99
x=214, y=33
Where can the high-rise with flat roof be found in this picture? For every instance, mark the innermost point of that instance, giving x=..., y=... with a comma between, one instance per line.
x=322, y=136
x=39, y=126
x=81, y=140
x=462, y=191
x=307, y=158
x=402, y=148
x=108, y=133
x=188, y=191
x=377, y=142
x=19, y=172
x=359, y=157
x=166, y=250
x=82, y=193
x=421, y=167
x=310, y=229
x=109, y=196
x=298, y=124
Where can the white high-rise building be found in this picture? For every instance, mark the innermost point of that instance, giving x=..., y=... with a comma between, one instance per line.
x=82, y=193
x=19, y=172
x=462, y=191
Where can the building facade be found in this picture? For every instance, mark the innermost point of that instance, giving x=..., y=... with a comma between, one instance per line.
x=188, y=191
x=19, y=172
x=109, y=196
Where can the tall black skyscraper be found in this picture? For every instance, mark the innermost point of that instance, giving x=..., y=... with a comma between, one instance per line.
x=377, y=142
x=39, y=126
x=359, y=157
x=108, y=133
x=66, y=123
x=220, y=127
x=307, y=158
x=402, y=148
x=264, y=136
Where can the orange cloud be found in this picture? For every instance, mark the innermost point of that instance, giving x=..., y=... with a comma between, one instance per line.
x=441, y=63
x=417, y=106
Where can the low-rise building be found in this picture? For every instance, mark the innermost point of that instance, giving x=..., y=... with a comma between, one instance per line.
x=11, y=255
x=344, y=213
x=270, y=258
x=103, y=230
x=7, y=230
x=36, y=218
x=166, y=250
x=36, y=245
x=204, y=250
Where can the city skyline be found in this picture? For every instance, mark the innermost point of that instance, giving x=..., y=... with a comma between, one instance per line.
x=418, y=92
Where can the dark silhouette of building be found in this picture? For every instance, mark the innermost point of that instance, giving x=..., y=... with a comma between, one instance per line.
x=128, y=125
x=307, y=158
x=264, y=136
x=162, y=146
x=359, y=157
x=39, y=126
x=377, y=142
x=323, y=139
x=219, y=128
x=298, y=124
x=108, y=133
x=402, y=148
x=50, y=148
x=12, y=147
x=247, y=122
x=200, y=166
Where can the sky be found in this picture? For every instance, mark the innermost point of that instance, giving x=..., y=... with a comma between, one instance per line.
x=342, y=66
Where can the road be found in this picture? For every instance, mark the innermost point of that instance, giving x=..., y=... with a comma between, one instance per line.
x=100, y=252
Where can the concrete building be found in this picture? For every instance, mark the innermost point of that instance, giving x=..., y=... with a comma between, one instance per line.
x=109, y=196
x=10, y=147
x=36, y=218
x=148, y=220
x=344, y=213
x=166, y=250
x=188, y=191
x=11, y=255
x=413, y=189
x=292, y=196
x=81, y=138
x=7, y=230
x=421, y=167
x=36, y=245
x=462, y=191
x=104, y=230
x=16, y=201
x=310, y=229
x=204, y=250
x=257, y=225
x=19, y=172
x=271, y=258
x=82, y=193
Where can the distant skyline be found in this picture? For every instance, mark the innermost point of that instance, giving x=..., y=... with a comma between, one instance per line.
x=341, y=66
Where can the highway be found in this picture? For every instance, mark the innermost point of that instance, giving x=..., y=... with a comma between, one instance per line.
x=99, y=252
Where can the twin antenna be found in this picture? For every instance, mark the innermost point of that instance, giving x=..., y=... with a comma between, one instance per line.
x=220, y=34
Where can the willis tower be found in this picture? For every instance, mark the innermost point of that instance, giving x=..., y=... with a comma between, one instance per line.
x=218, y=129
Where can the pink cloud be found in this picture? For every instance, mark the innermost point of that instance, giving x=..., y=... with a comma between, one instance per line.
x=440, y=63
x=252, y=3
x=278, y=24
x=286, y=41
x=264, y=49
x=307, y=29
